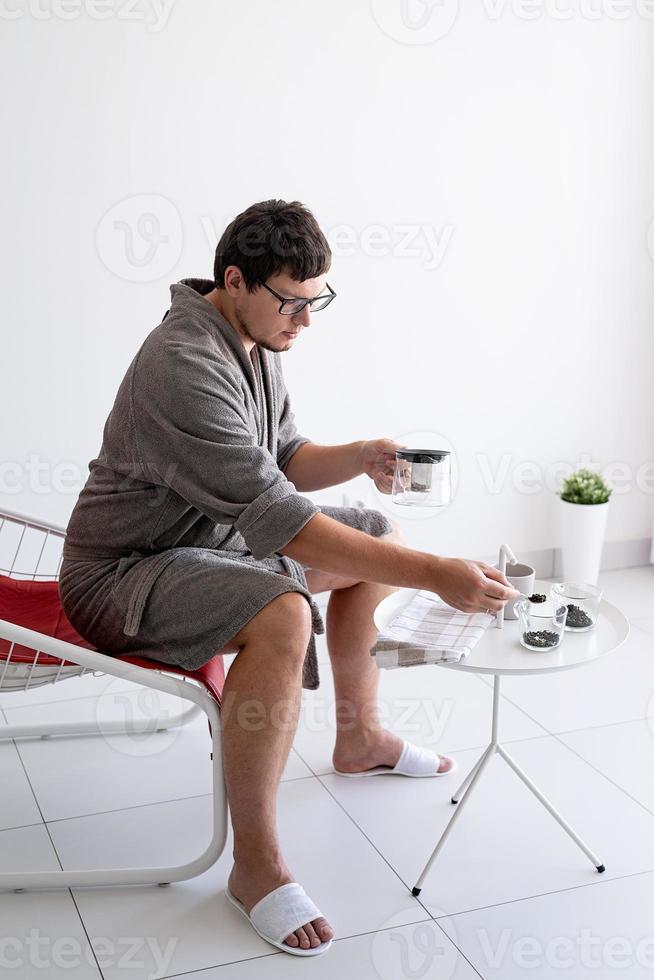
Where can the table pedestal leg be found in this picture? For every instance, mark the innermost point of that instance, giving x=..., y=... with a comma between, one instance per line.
x=550, y=808
x=481, y=765
x=464, y=793
x=466, y=782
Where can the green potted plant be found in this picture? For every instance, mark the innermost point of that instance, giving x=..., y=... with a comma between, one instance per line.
x=583, y=512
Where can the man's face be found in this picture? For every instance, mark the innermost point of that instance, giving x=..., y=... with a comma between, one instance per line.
x=259, y=317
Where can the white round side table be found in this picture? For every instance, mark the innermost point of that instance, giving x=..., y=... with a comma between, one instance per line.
x=500, y=653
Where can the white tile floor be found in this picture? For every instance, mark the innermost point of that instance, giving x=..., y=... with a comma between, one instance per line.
x=511, y=896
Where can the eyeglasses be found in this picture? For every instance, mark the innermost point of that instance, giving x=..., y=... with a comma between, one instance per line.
x=291, y=306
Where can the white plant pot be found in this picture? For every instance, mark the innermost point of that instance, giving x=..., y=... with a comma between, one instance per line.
x=582, y=538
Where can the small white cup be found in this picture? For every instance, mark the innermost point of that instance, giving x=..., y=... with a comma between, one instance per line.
x=522, y=578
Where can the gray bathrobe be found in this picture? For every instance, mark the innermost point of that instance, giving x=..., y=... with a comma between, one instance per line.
x=172, y=546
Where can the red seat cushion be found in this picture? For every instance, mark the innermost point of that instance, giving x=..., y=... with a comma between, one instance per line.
x=37, y=606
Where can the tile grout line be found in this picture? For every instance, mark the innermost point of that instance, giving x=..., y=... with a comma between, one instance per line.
x=363, y=833
x=452, y=751
x=470, y=748
x=606, y=777
x=641, y=629
x=546, y=732
x=372, y=932
x=474, y=909
x=77, y=697
x=315, y=775
x=524, y=898
x=56, y=854
x=338, y=939
x=457, y=947
x=387, y=863
x=609, y=724
x=22, y=826
x=178, y=799
x=565, y=731
x=556, y=737
x=557, y=891
x=488, y=685
x=127, y=809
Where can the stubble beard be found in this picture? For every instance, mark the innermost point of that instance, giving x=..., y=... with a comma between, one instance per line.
x=243, y=324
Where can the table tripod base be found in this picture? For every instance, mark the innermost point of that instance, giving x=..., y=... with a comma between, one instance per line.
x=465, y=791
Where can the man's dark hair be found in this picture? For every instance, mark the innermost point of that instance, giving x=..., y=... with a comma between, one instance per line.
x=271, y=237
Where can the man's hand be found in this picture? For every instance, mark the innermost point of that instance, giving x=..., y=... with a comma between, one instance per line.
x=377, y=460
x=472, y=586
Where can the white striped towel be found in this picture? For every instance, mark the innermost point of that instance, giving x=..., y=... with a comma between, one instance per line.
x=428, y=631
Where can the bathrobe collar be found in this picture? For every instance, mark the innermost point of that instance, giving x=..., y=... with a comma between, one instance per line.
x=187, y=299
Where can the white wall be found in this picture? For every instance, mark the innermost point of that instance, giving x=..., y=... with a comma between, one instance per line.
x=525, y=147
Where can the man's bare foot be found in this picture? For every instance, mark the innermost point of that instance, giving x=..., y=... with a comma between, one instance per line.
x=380, y=748
x=250, y=884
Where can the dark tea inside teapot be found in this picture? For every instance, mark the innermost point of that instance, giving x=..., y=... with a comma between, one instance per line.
x=422, y=477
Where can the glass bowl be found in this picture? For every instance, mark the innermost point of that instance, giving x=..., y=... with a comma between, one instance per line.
x=582, y=603
x=541, y=624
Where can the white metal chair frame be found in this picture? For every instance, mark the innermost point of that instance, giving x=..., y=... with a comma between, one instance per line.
x=93, y=662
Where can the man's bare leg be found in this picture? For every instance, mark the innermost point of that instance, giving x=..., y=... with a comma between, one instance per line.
x=361, y=741
x=261, y=702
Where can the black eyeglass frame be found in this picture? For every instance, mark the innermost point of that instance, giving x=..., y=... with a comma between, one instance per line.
x=297, y=299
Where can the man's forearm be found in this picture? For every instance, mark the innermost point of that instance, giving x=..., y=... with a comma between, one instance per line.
x=334, y=547
x=314, y=467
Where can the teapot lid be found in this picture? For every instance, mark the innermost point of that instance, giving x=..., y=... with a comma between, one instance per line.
x=423, y=455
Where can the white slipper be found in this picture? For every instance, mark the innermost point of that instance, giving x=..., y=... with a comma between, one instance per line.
x=414, y=761
x=281, y=912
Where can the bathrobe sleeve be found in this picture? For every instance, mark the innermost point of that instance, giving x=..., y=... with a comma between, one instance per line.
x=288, y=439
x=193, y=435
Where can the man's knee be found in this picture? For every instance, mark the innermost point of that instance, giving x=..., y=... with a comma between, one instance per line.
x=285, y=623
x=396, y=534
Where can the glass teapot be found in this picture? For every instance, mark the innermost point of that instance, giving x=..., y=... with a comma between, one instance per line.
x=422, y=478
